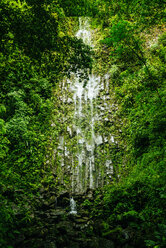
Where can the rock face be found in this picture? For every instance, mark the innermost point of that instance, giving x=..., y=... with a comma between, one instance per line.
x=86, y=115
x=53, y=226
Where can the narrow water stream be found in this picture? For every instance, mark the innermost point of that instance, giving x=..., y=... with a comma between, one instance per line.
x=90, y=99
x=73, y=207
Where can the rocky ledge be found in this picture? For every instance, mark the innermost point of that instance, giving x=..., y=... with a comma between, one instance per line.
x=53, y=225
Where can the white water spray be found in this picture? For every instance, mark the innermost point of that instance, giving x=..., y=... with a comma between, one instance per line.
x=84, y=98
x=73, y=208
x=84, y=173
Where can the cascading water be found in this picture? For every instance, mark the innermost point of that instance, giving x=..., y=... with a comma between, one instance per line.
x=73, y=208
x=84, y=97
x=82, y=166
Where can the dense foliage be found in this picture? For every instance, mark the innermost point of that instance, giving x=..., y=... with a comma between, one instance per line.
x=133, y=50
x=37, y=49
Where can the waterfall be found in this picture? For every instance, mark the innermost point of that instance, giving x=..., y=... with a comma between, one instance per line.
x=73, y=209
x=84, y=97
x=89, y=107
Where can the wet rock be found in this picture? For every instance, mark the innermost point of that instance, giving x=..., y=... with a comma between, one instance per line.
x=58, y=212
x=81, y=220
x=63, y=200
x=83, y=212
x=65, y=227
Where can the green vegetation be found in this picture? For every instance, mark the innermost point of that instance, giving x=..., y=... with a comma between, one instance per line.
x=37, y=49
x=133, y=50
